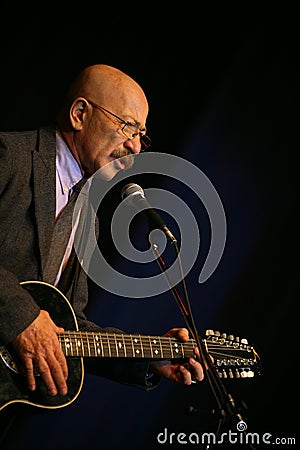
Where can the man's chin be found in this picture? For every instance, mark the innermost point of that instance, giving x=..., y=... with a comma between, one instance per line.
x=110, y=170
x=106, y=173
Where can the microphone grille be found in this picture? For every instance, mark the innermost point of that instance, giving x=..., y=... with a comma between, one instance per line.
x=131, y=189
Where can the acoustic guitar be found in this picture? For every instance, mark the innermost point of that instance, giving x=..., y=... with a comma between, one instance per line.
x=233, y=357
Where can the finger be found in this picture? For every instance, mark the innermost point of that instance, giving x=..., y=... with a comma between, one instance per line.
x=58, y=375
x=186, y=376
x=183, y=334
x=196, y=370
x=28, y=364
x=45, y=373
x=204, y=361
x=52, y=375
x=62, y=362
x=192, y=372
x=59, y=379
x=58, y=330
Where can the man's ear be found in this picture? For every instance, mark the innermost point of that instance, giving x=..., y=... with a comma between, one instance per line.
x=78, y=112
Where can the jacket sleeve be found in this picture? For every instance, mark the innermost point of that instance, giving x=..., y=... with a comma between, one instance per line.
x=17, y=307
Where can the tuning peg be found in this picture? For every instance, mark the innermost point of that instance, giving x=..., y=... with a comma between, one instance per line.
x=244, y=341
x=244, y=374
x=230, y=337
x=209, y=332
x=237, y=373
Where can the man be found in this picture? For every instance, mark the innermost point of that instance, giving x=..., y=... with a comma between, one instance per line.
x=102, y=120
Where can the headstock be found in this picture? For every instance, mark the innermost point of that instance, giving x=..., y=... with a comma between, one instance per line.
x=233, y=356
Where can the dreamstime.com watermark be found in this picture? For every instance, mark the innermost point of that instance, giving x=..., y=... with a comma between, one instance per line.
x=238, y=437
x=89, y=254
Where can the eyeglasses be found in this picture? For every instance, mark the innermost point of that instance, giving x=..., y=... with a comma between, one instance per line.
x=129, y=130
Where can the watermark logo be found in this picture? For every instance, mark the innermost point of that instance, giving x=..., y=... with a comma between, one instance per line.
x=93, y=261
x=231, y=437
x=241, y=426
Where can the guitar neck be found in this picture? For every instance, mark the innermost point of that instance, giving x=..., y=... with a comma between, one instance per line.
x=115, y=345
x=232, y=356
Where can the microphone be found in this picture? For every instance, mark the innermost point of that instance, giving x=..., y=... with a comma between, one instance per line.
x=137, y=200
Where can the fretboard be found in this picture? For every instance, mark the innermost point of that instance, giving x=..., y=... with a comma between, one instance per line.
x=85, y=344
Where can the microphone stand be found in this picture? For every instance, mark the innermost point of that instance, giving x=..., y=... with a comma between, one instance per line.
x=225, y=402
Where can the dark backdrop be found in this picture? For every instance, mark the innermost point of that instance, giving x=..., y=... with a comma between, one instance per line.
x=222, y=87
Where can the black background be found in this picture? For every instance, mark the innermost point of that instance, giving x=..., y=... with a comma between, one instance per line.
x=222, y=83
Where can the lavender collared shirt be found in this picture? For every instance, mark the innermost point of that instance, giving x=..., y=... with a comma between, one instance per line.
x=68, y=173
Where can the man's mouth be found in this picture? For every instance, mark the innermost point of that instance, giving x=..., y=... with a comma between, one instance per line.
x=124, y=161
x=119, y=163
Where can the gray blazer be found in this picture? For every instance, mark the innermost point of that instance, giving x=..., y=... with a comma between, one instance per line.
x=27, y=213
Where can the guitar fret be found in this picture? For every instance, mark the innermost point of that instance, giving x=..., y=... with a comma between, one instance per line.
x=120, y=345
x=102, y=348
x=116, y=344
x=88, y=344
x=108, y=346
x=97, y=351
x=142, y=348
x=94, y=344
x=82, y=347
x=150, y=344
x=161, y=350
x=171, y=348
x=71, y=346
x=176, y=349
x=132, y=346
x=138, y=348
x=182, y=350
x=124, y=346
x=78, y=343
x=155, y=343
x=75, y=345
x=66, y=341
x=63, y=344
x=135, y=350
x=99, y=346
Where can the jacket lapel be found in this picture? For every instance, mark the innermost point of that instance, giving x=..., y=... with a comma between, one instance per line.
x=44, y=175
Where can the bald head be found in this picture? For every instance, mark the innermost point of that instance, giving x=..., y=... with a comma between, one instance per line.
x=105, y=85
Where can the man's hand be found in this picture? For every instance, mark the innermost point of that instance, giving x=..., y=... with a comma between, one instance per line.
x=39, y=349
x=186, y=373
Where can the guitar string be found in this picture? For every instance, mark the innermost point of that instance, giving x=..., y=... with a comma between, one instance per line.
x=118, y=340
x=166, y=342
x=114, y=347
x=148, y=345
x=166, y=339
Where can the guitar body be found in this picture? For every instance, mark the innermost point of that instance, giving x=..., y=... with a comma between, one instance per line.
x=13, y=384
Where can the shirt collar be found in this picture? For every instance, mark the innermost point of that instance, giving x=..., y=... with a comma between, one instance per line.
x=67, y=167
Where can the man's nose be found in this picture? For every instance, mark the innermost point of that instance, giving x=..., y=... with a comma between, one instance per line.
x=134, y=145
